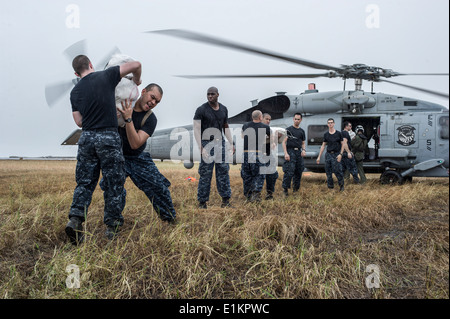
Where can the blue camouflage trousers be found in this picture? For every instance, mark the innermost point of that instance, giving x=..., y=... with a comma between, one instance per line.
x=100, y=151
x=271, y=179
x=293, y=170
x=349, y=164
x=146, y=176
x=251, y=174
x=216, y=150
x=272, y=173
x=333, y=166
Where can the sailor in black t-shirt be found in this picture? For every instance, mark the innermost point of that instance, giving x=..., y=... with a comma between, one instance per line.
x=99, y=146
x=348, y=160
x=335, y=147
x=210, y=121
x=254, y=134
x=139, y=165
x=294, y=151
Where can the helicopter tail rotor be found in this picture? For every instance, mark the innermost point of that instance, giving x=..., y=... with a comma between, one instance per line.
x=55, y=91
x=104, y=62
x=75, y=49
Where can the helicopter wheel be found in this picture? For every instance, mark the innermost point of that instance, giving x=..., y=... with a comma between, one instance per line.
x=391, y=177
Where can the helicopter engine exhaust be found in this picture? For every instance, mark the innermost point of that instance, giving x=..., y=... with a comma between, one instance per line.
x=275, y=106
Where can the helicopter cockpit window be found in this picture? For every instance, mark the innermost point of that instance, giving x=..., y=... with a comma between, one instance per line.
x=315, y=134
x=443, y=124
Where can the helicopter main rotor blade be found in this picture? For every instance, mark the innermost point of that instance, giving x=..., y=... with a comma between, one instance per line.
x=178, y=33
x=54, y=92
x=447, y=74
x=292, y=76
x=444, y=95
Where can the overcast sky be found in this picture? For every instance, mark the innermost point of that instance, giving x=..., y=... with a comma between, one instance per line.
x=403, y=35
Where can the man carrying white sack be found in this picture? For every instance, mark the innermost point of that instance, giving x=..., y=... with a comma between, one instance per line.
x=139, y=166
x=99, y=146
x=137, y=122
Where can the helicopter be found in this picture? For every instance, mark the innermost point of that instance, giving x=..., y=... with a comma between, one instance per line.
x=407, y=137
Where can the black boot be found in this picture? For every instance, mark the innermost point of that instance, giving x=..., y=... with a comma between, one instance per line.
x=269, y=196
x=111, y=232
x=74, y=230
x=225, y=202
x=256, y=197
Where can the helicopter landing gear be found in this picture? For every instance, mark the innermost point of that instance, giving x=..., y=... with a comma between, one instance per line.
x=391, y=177
x=408, y=179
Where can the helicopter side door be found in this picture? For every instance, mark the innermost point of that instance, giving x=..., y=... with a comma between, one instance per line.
x=371, y=125
x=315, y=128
x=426, y=136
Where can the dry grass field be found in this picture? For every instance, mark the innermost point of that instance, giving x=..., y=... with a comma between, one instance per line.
x=317, y=244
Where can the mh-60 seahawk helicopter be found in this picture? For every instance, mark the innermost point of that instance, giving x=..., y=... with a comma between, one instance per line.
x=408, y=137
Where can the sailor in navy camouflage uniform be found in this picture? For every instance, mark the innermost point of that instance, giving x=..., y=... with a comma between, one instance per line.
x=254, y=165
x=271, y=178
x=348, y=161
x=99, y=146
x=139, y=166
x=210, y=120
x=294, y=151
x=335, y=147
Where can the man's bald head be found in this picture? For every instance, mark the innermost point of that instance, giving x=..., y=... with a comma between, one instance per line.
x=257, y=115
x=213, y=95
x=213, y=89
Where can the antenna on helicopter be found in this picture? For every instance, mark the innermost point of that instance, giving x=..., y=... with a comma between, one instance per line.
x=358, y=84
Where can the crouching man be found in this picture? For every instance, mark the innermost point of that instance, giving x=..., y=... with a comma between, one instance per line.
x=139, y=166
